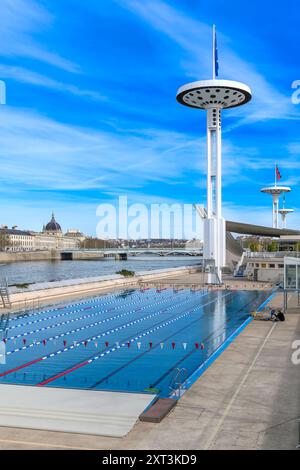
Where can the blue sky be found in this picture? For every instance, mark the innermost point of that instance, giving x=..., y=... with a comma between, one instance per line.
x=91, y=111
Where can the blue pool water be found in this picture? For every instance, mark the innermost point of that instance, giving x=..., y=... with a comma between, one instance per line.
x=129, y=341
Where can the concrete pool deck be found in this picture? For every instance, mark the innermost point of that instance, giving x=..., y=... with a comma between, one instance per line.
x=247, y=399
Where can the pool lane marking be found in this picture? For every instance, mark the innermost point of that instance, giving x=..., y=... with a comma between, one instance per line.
x=91, y=325
x=84, y=327
x=15, y=369
x=72, y=320
x=116, y=298
x=27, y=364
x=61, y=374
x=70, y=305
x=65, y=313
x=131, y=340
x=68, y=312
x=83, y=317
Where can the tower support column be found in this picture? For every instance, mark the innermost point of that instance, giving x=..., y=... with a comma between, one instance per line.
x=214, y=225
x=275, y=210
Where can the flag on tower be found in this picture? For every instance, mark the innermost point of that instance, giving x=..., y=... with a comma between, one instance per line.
x=215, y=53
x=278, y=175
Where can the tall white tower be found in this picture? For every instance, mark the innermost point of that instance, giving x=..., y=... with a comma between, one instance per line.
x=213, y=96
x=283, y=212
x=275, y=191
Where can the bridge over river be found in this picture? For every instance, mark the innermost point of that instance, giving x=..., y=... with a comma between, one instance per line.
x=123, y=253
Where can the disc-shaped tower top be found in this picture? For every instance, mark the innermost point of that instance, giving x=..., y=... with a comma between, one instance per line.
x=276, y=189
x=285, y=211
x=222, y=94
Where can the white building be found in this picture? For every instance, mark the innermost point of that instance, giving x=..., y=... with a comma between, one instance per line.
x=16, y=240
x=51, y=238
x=265, y=269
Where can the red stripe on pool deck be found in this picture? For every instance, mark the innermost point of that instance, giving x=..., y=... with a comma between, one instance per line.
x=45, y=382
x=21, y=367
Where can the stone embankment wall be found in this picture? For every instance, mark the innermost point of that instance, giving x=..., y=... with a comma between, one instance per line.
x=9, y=257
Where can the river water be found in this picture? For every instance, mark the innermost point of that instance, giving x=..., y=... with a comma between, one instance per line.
x=45, y=271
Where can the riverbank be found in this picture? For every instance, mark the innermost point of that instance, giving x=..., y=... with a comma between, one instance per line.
x=13, y=257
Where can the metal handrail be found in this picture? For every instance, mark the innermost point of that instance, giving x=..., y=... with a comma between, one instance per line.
x=176, y=384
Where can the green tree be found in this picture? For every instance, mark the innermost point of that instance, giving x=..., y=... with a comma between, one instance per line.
x=273, y=246
x=254, y=246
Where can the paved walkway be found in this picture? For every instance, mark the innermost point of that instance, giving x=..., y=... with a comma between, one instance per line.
x=248, y=399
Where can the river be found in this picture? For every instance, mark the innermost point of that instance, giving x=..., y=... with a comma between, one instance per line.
x=45, y=271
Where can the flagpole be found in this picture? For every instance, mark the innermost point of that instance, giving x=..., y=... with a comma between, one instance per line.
x=275, y=175
x=214, y=52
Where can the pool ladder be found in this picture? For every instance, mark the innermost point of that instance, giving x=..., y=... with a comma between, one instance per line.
x=177, y=382
x=4, y=294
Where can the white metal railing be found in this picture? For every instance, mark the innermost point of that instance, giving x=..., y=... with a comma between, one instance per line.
x=272, y=254
x=240, y=263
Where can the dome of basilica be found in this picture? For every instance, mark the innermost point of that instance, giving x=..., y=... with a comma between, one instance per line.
x=52, y=226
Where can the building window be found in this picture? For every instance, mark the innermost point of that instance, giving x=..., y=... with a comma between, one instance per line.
x=290, y=276
x=271, y=265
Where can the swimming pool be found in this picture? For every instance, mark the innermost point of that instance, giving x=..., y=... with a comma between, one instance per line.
x=129, y=341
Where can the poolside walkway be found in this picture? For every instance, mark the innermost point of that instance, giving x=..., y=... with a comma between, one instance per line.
x=248, y=399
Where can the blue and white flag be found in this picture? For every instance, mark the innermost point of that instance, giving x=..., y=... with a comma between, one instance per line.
x=215, y=53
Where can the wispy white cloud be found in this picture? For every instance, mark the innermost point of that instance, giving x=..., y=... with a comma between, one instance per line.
x=194, y=38
x=24, y=75
x=20, y=21
x=40, y=152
